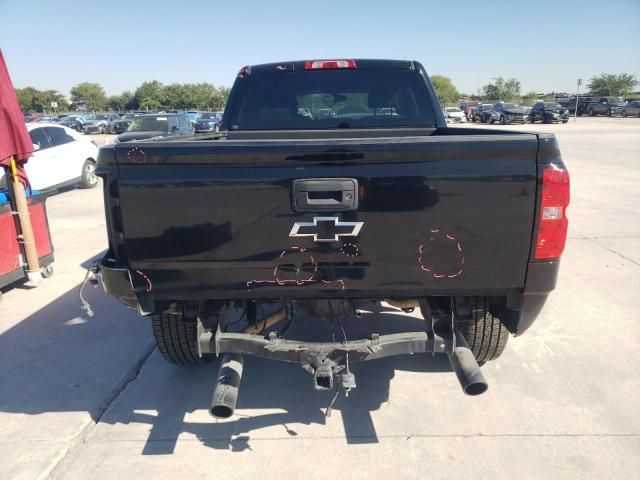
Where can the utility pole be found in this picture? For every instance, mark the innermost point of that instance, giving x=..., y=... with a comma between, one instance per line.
x=575, y=111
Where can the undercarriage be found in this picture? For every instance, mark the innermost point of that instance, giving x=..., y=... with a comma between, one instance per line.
x=328, y=363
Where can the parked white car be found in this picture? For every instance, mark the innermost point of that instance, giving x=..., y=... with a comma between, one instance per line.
x=62, y=157
x=454, y=114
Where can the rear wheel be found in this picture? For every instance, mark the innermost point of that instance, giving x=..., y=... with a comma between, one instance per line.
x=591, y=112
x=177, y=339
x=88, y=178
x=485, y=334
x=608, y=112
x=624, y=113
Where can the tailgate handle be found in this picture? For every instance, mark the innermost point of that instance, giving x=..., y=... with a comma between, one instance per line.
x=318, y=194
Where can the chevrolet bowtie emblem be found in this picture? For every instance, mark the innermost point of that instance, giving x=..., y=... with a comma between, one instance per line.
x=326, y=229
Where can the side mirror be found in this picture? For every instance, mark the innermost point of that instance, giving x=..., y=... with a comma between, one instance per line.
x=35, y=146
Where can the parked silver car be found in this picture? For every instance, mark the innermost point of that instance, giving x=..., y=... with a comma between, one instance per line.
x=507, y=113
x=101, y=123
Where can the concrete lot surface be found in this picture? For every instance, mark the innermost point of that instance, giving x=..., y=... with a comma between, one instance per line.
x=91, y=398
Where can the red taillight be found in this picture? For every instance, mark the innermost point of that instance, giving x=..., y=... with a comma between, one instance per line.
x=553, y=223
x=329, y=64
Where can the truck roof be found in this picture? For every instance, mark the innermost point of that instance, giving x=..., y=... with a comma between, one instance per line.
x=361, y=64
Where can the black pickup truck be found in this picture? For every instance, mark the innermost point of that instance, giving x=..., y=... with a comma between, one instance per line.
x=582, y=101
x=222, y=238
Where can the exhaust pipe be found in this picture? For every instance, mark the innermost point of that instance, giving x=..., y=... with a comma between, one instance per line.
x=466, y=367
x=225, y=395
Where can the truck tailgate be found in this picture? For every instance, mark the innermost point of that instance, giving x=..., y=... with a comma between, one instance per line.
x=212, y=219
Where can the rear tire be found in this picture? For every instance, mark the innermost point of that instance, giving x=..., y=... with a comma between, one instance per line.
x=485, y=334
x=177, y=339
x=591, y=112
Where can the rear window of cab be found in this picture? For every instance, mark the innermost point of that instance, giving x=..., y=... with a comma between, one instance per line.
x=331, y=99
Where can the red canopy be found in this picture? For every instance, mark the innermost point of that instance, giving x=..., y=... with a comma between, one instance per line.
x=14, y=138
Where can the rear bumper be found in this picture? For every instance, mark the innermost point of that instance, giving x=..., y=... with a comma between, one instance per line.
x=116, y=280
x=134, y=288
x=516, y=119
x=521, y=310
x=198, y=284
x=559, y=118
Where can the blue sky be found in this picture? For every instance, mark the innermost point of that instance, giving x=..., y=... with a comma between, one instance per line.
x=547, y=45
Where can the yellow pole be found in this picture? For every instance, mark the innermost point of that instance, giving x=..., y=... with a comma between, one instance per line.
x=28, y=239
x=14, y=170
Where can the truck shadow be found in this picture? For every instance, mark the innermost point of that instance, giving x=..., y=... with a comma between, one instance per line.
x=283, y=390
x=59, y=360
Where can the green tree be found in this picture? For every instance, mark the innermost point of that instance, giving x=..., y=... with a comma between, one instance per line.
x=91, y=93
x=26, y=97
x=529, y=99
x=220, y=98
x=174, y=96
x=50, y=96
x=501, y=89
x=150, y=95
x=607, y=84
x=34, y=100
x=193, y=95
x=446, y=91
x=122, y=102
x=201, y=95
